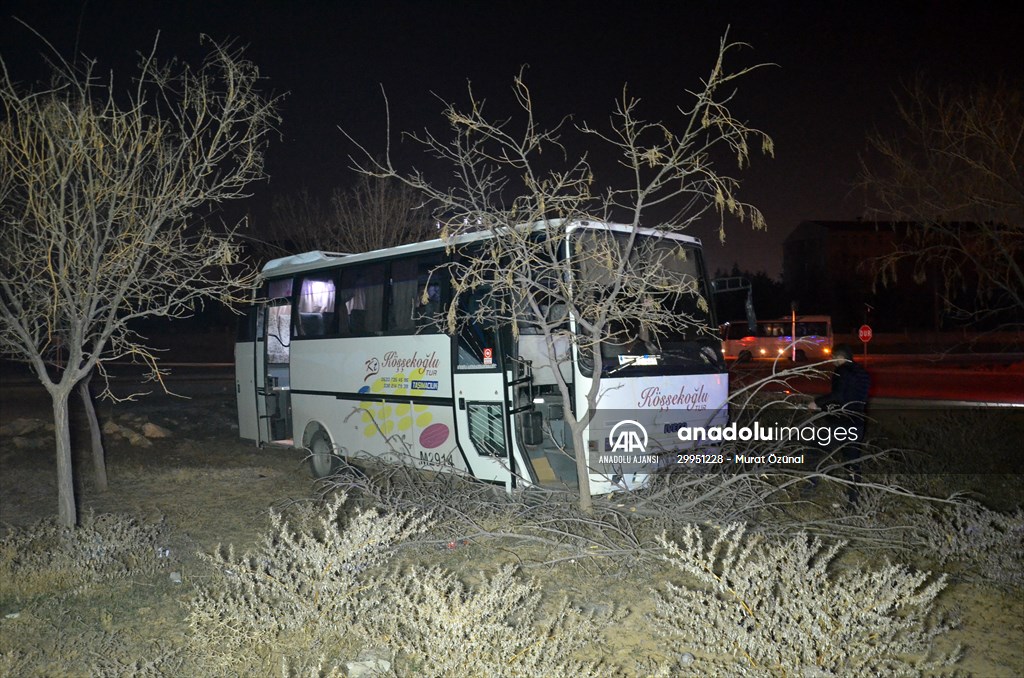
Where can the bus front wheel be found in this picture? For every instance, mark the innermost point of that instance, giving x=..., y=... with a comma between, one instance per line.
x=322, y=458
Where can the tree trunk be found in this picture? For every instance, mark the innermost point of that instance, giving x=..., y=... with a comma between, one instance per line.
x=582, y=471
x=67, y=512
x=99, y=463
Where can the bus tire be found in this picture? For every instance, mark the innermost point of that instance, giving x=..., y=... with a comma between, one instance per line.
x=322, y=459
x=744, y=357
x=800, y=355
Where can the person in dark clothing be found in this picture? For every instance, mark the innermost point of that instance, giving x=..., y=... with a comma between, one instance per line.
x=846, y=404
x=850, y=385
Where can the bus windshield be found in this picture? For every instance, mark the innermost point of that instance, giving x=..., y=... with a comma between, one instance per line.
x=654, y=297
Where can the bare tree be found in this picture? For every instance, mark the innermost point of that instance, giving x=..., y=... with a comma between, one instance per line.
x=299, y=222
x=372, y=214
x=955, y=173
x=103, y=194
x=378, y=213
x=614, y=289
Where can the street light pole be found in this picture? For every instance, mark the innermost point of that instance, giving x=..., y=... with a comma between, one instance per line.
x=792, y=333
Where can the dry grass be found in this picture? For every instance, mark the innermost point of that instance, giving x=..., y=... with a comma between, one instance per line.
x=483, y=552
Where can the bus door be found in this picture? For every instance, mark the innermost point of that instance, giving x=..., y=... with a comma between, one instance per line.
x=273, y=373
x=481, y=401
x=245, y=374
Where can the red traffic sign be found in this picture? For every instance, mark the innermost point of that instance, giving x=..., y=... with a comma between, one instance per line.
x=864, y=333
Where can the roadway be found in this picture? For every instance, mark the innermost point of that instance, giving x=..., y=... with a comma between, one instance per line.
x=994, y=379
x=21, y=394
x=984, y=379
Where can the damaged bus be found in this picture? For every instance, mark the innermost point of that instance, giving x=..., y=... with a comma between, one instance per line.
x=352, y=357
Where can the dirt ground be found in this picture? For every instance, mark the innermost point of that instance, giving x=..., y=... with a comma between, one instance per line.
x=209, y=488
x=199, y=471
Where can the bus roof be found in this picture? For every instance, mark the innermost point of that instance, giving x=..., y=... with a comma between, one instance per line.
x=317, y=259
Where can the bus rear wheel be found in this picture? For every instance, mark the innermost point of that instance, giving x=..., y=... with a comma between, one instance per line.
x=322, y=459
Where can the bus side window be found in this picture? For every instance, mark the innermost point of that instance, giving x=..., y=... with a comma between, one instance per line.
x=475, y=337
x=279, y=318
x=317, y=309
x=429, y=304
x=362, y=291
x=278, y=321
x=415, y=302
x=403, y=301
x=278, y=289
x=428, y=307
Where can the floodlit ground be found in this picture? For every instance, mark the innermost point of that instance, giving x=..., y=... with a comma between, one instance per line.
x=200, y=487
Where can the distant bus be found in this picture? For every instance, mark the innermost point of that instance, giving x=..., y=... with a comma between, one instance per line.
x=774, y=339
x=349, y=357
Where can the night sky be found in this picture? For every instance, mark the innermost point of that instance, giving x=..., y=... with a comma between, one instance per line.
x=837, y=67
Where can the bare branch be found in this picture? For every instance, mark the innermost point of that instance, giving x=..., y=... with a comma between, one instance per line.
x=955, y=174
x=103, y=199
x=596, y=297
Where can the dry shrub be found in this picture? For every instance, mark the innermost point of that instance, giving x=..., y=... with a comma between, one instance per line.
x=545, y=521
x=978, y=543
x=310, y=668
x=47, y=558
x=960, y=536
x=498, y=629
x=782, y=608
x=310, y=596
x=303, y=588
x=50, y=573
x=97, y=653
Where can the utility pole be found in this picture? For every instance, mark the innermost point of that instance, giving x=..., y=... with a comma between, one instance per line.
x=792, y=307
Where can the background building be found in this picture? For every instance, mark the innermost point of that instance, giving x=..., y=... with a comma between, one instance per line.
x=829, y=267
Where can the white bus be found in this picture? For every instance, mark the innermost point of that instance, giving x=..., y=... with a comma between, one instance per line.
x=774, y=339
x=347, y=356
